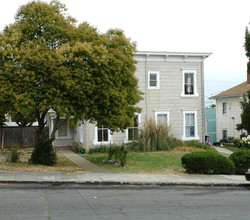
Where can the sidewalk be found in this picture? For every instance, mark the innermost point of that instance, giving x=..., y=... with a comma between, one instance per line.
x=123, y=179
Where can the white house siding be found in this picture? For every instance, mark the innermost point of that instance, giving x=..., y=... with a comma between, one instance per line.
x=229, y=120
x=167, y=98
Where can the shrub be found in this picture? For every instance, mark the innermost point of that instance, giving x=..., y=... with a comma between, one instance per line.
x=245, y=142
x=76, y=148
x=13, y=156
x=154, y=137
x=102, y=149
x=207, y=162
x=236, y=142
x=120, y=154
x=241, y=160
x=44, y=153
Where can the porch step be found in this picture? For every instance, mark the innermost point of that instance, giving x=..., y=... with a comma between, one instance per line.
x=62, y=147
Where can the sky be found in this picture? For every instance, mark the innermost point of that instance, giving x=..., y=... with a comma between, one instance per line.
x=216, y=26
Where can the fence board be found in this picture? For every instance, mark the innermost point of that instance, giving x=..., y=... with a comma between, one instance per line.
x=19, y=136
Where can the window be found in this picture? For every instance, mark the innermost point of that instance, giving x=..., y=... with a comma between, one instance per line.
x=224, y=108
x=153, y=80
x=189, y=83
x=133, y=131
x=63, y=132
x=102, y=134
x=190, y=130
x=162, y=117
x=224, y=134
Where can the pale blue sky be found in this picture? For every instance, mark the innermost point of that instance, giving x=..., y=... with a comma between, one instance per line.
x=216, y=26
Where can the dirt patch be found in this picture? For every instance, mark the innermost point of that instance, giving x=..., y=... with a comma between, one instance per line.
x=63, y=164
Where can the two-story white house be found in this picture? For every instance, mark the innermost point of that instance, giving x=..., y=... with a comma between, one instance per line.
x=228, y=110
x=173, y=87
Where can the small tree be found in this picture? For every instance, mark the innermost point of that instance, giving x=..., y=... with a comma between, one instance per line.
x=245, y=115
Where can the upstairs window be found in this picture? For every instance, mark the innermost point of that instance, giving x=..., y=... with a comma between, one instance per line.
x=153, y=80
x=224, y=108
x=189, y=83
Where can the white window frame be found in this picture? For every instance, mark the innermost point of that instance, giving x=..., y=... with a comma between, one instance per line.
x=68, y=136
x=194, y=72
x=157, y=80
x=96, y=142
x=126, y=140
x=196, y=136
x=222, y=108
x=162, y=113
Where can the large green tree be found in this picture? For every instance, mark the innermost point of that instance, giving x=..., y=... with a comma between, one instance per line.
x=47, y=62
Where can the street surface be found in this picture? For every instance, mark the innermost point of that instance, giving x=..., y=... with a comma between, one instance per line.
x=42, y=202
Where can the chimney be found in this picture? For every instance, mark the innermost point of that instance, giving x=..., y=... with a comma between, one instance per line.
x=248, y=72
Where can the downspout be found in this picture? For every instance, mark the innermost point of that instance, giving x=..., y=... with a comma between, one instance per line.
x=146, y=86
x=202, y=102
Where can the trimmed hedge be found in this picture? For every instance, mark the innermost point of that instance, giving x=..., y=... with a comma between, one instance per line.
x=207, y=162
x=241, y=160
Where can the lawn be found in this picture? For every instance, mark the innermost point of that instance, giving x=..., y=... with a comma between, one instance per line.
x=63, y=164
x=161, y=162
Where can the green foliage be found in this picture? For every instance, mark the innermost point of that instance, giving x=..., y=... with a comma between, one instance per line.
x=44, y=153
x=237, y=142
x=198, y=144
x=47, y=62
x=247, y=44
x=241, y=160
x=245, y=115
x=119, y=154
x=154, y=137
x=13, y=156
x=102, y=149
x=76, y=148
x=207, y=162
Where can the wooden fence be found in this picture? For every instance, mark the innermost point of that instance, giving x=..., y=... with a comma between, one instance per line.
x=18, y=136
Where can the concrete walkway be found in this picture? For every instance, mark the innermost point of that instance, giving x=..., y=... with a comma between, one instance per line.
x=83, y=163
x=223, y=150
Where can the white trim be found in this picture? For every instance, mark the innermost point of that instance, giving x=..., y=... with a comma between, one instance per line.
x=126, y=140
x=162, y=113
x=194, y=72
x=157, y=80
x=196, y=136
x=96, y=142
x=68, y=131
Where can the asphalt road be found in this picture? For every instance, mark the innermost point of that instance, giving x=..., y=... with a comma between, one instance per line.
x=32, y=202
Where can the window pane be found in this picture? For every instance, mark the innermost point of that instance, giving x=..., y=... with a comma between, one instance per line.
x=189, y=83
x=190, y=125
x=102, y=134
x=153, y=80
x=162, y=118
x=62, y=130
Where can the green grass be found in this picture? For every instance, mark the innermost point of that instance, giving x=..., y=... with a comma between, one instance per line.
x=160, y=162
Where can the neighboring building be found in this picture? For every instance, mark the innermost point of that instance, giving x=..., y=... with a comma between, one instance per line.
x=210, y=124
x=173, y=87
x=228, y=110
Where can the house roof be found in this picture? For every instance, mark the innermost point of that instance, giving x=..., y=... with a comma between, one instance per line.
x=235, y=91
